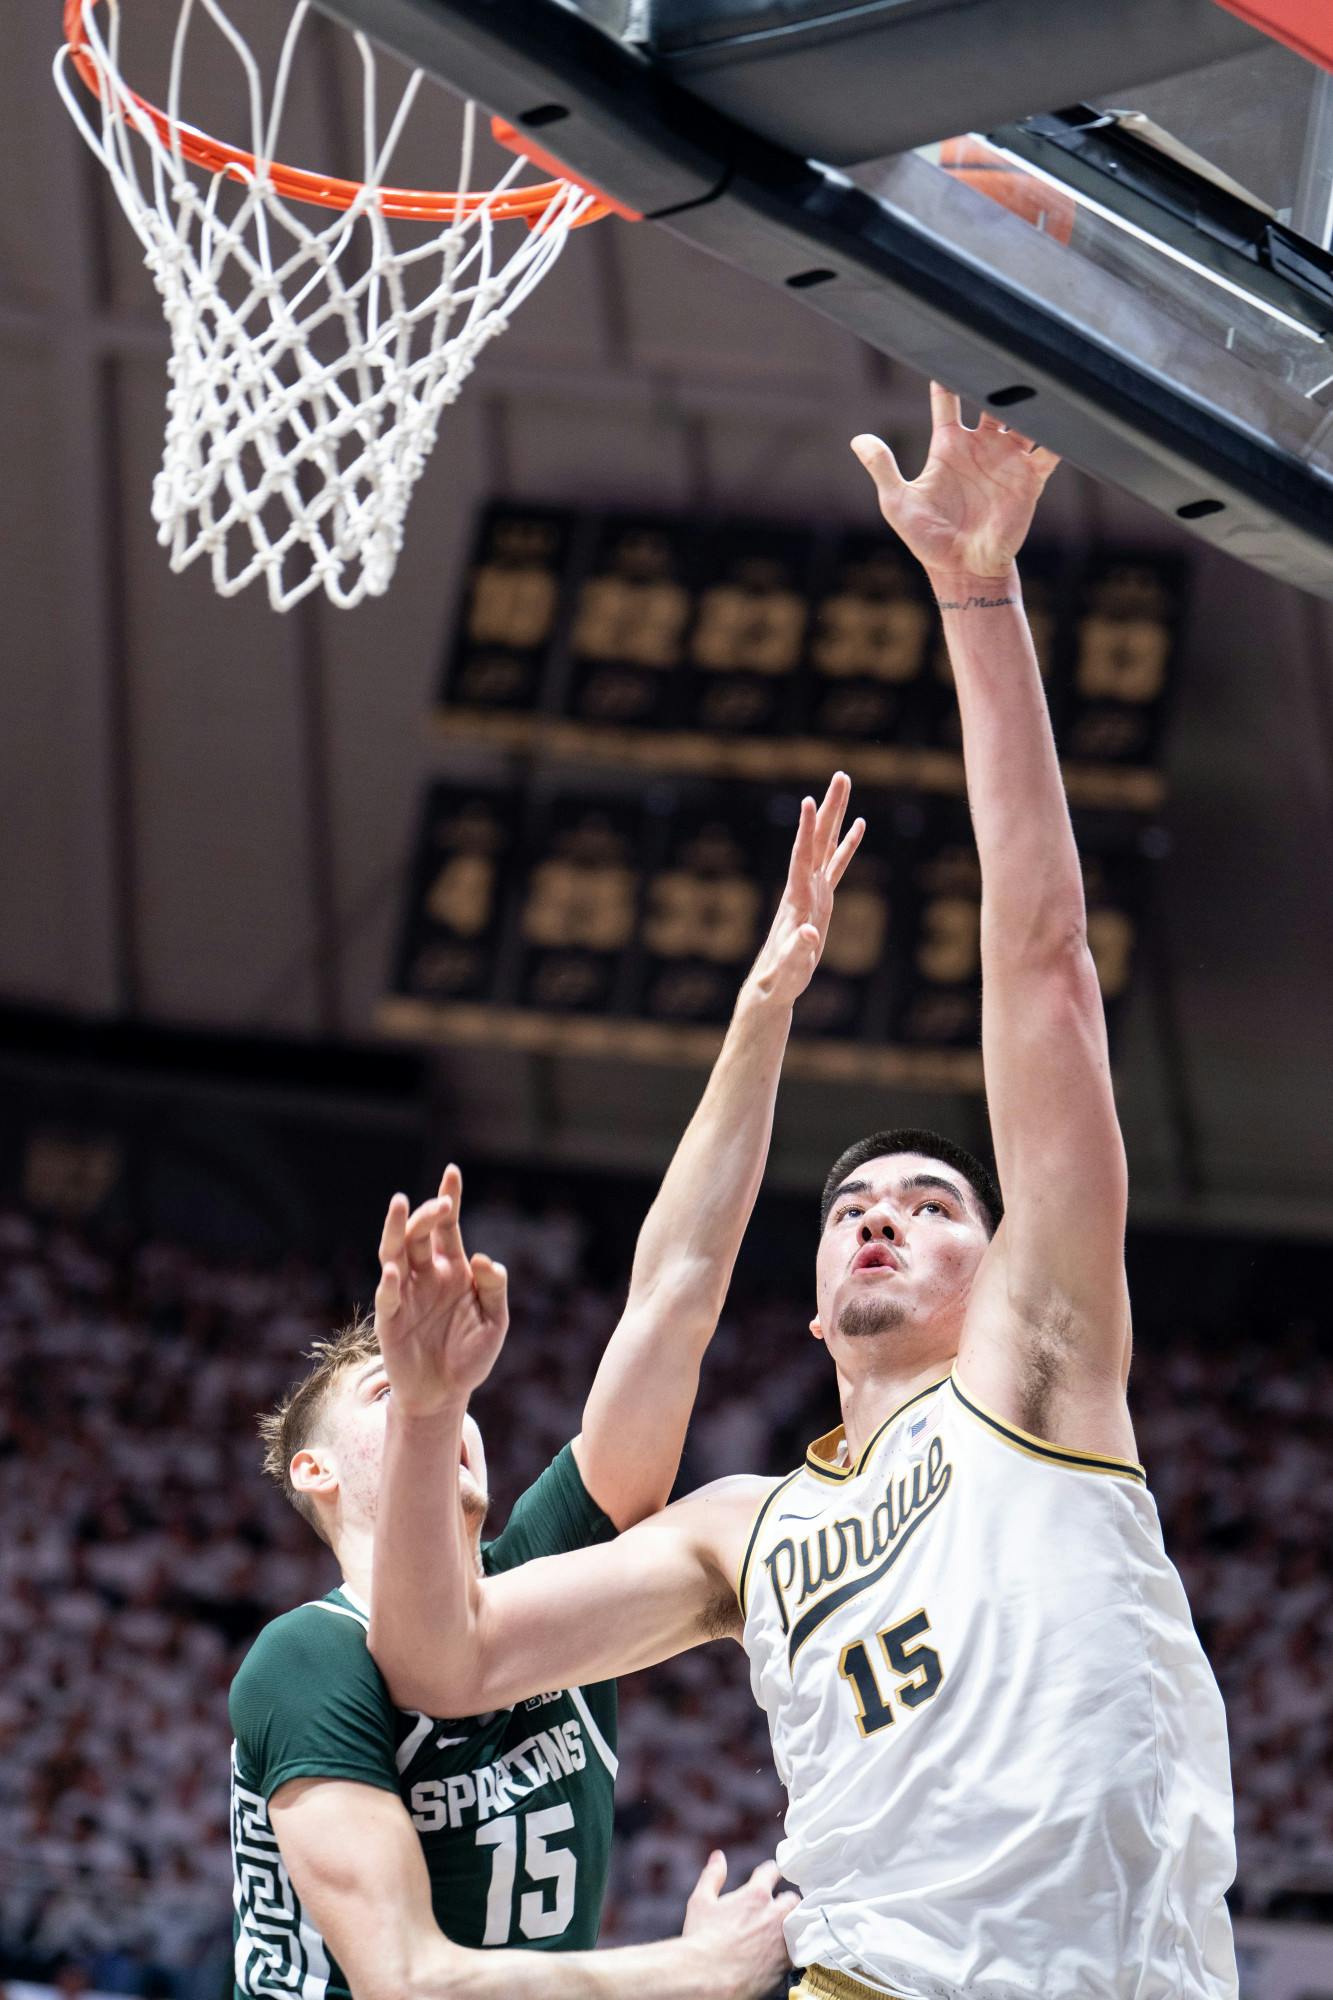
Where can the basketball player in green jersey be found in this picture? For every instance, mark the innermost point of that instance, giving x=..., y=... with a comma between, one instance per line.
x=383, y=1852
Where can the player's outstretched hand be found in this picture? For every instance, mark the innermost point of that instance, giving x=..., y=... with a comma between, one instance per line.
x=968, y=513
x=440, y=1315
x=740, y=1933
x=819, y=858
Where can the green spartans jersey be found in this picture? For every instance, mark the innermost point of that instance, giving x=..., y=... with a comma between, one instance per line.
x=513, y=1809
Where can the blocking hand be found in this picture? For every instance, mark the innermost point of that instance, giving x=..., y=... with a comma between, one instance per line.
x=741, y=1932
x=792, y=949
x=968, y=513
x=440, y=1315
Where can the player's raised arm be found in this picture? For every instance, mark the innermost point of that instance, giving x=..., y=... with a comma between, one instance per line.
x=446, y=1642
x=1047, y=1334
x=635, y=1419
x=356, y=1863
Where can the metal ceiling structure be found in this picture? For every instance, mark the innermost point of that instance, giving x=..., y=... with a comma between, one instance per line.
x=207, y=808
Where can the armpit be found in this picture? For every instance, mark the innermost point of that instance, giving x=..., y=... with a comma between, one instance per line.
x=721, y=1617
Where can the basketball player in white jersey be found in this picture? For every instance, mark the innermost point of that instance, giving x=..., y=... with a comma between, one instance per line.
x=1004, y=1750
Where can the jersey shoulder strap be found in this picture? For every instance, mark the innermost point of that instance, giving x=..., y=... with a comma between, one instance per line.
x=1030, y=1446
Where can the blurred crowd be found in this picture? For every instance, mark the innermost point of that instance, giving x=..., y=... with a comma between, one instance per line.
x=142, y=1551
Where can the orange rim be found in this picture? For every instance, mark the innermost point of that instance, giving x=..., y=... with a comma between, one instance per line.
x=527, y=204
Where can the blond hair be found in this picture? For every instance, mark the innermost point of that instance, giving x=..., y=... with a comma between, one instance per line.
x=298, y=1419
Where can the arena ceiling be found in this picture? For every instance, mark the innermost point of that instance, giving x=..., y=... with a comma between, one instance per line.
x=208, y=807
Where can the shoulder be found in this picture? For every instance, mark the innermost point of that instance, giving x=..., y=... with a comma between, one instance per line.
x=721, y=1516
x=739, y=1492
x=1049, y=1323
x=300, y=1650
x=309, y=1702
x=1091, y=1434
x=554, y=1516
x=1053, y=1401
x=321, y=1626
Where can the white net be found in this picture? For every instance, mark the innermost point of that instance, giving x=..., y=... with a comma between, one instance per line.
x=311, y=359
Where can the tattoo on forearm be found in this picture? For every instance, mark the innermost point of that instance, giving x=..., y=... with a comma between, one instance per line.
x=973, y=603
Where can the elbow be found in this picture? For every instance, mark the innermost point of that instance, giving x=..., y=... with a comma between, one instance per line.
x=445, y=1971
x=435, y=1969
x=421, y=1697
x=640, y=1505
x=1067, y=955
x=1035, y=908
x=1053, y=942
x=1073, y=990
x=388, y=1659
x=439, y=1692
x=390, y=1973
x=387, y=1983
x=684, y=1295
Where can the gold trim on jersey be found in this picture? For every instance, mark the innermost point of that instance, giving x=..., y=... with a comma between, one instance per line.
x=1035, y=1447
x=825, y=1982
x=743, y=1573
x=824, y=1448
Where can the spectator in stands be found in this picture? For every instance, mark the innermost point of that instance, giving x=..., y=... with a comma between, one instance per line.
x=142, y=1551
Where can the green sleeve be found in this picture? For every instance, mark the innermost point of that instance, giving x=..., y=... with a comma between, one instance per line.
x=309, y=1702
x=556, y=1514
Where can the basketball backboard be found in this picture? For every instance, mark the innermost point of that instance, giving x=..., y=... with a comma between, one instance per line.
x=1165, y=320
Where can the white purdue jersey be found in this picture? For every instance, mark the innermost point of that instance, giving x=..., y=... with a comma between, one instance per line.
x=1004, y=1750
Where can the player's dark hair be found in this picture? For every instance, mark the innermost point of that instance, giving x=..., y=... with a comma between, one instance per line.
x=298, y=1418
x=907, y=1139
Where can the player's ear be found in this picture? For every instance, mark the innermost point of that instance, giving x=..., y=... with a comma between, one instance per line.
x=816, y=1329
x=313, y=1471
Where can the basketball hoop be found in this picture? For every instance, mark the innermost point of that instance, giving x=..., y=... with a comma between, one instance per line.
x=311, y=362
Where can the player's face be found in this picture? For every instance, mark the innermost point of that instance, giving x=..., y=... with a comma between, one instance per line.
x=897, y=1258
x=358, y=1436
